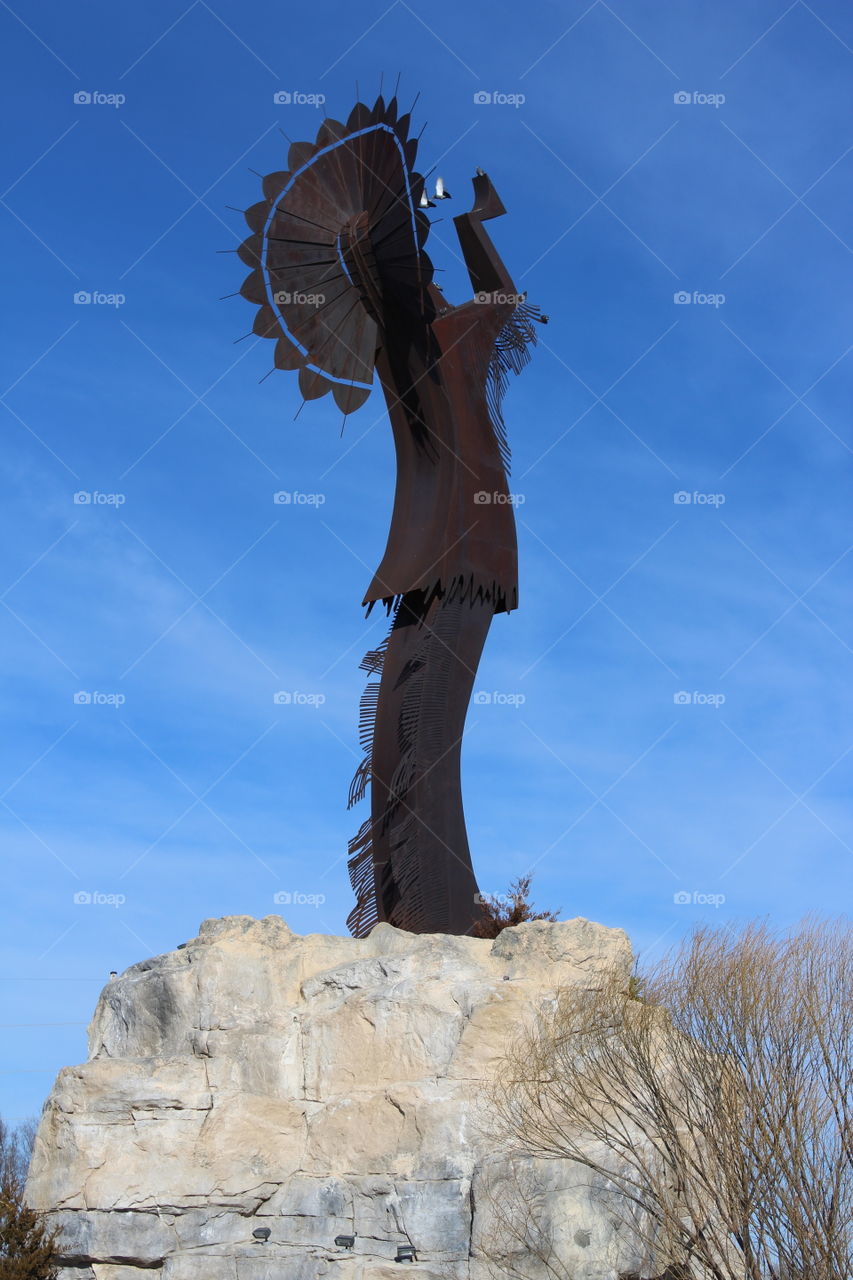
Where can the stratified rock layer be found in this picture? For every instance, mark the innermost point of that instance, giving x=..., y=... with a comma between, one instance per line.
x=315, y=1086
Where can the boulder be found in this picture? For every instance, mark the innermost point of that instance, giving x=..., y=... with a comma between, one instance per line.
x=317, y=1087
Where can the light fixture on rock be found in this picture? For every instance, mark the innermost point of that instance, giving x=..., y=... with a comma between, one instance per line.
x=262, y=1233
x=406, y=1253
x=345, y=1242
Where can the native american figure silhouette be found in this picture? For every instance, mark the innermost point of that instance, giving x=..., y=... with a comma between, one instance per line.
x=345, y=287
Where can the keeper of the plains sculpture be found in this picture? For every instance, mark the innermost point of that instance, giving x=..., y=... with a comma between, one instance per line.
x=344, y=287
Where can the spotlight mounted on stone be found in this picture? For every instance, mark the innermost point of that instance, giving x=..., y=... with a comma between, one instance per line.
x=406, y=1253
x=262, y=1233
x=345, y=1242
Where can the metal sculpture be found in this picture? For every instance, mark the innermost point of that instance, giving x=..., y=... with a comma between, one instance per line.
x=344, y=286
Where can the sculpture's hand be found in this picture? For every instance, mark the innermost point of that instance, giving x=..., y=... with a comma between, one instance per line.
x=487, y=202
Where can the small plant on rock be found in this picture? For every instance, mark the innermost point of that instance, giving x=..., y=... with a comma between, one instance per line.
x=503, y=911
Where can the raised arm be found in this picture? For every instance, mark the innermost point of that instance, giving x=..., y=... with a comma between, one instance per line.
x=487, y=271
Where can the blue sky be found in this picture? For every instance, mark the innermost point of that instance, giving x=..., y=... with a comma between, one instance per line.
x=195, y=598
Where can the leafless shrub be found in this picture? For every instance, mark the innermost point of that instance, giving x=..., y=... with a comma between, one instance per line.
x=714, y=1097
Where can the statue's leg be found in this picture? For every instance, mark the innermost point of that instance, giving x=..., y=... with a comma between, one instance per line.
x=423, y=880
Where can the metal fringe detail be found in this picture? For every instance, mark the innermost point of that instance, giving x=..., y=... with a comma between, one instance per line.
x=365, y=913
x=397, y=818
x=510, y=355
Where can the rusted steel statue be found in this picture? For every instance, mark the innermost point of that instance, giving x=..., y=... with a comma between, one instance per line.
x=344, y=286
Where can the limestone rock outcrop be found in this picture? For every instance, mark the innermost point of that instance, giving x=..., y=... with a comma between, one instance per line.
x=311, y=1087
